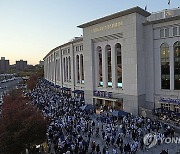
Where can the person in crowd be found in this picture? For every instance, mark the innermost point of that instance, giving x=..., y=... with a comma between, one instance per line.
x=74, y=130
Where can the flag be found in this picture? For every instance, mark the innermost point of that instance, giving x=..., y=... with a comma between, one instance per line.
x=145, y=8
x=169, y=1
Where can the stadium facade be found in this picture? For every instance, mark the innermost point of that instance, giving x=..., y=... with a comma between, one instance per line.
x=129, y=60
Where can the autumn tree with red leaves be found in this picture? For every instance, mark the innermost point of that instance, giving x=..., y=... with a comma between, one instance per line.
x=31, y=82
x=21, y=124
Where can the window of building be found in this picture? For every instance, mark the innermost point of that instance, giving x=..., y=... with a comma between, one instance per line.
x=77, y=48
x=69, y=68
x=55, y=71
x=82, y=69
x=161, y=33
x=82, y=47
x=118, y=65
x=177, y=65
x=165, y=66
x=175, y=31
x=58, y=70
x=77, y=65
x=100, y=76
x=57, y=54
x=166, y=32
x=109, y=70
x=64, y=65
x=49, y=70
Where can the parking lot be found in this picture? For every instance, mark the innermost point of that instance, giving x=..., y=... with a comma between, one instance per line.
x=6, y=85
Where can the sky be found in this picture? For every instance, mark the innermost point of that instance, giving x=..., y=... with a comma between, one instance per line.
x=29, y=29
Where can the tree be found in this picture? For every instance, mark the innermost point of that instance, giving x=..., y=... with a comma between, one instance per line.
x=31, y=82
x=21, y=124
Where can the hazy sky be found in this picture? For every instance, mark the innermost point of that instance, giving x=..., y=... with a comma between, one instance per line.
x=29, y=29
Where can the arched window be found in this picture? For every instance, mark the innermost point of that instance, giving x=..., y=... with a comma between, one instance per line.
x=53, y=67
x=58, y=70
x=64, y=65
x=82, y=68
x=177, y=65
x=69, y=68
x=108, y=60
x=77, y=65
x=118, y=65
x=55, y=72
x=49, y=69
x=100, y=76
x=165, y=66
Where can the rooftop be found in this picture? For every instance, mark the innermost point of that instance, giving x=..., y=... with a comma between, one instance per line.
x=167, y=13
x=163, y=16
x=74, y=40
x=136, y=9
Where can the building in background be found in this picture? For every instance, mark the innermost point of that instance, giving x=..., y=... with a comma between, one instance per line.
x=30, y=66
x=4, y=65
x=129, y=60
x=21, y=65
x=41, y=63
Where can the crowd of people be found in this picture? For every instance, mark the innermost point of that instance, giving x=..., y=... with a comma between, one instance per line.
x=168, y=115
x=73, y=130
